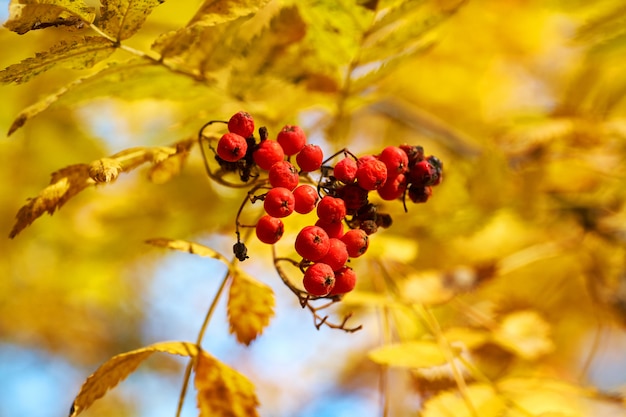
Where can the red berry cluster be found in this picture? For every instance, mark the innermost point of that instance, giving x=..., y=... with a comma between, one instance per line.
x=341, y=196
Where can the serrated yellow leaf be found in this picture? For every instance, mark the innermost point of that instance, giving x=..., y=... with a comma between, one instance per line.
x=524, y=333
x=222, y=391
x=250, y=307
x=65, y=184
x=485, y=403
x=189, y=247
x=214, y=12
x=26, y=15
x=116, y=369
x=77, y=54
x=123, y=18
x=414, y=354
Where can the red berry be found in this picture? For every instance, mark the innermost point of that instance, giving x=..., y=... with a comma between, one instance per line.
x=345, y=281
x=353, y=196
x=292, y=139
x=318, y=279
x=306, y=198
x=345, y=170
x=283, y=174
x=337, y=254
x=395, y=159
x=426, y=172
x=269, y=229
x=357, y=242
x=232, y=147
x=331, y=209
x=419, y=193
x=371, y=173
x=393, y=188
x=242, y=124
x=267, y=153
x=279, y=202
x=332, y=229
x=310, y=158
x=312, y=243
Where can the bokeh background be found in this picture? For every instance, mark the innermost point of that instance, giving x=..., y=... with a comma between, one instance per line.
x=521, y=99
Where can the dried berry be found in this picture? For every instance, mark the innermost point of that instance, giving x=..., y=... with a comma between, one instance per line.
x=269, y=229
x=292, y=138
x=419, y=193
x=232, y=147
x=318, y=279
x=242, y=124
x=353, y=196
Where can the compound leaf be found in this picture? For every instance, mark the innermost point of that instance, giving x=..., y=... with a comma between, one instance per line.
x=123, y=18
x=250, y=307
x=77, y=54
x=26, y=15
x=116, y=369
x=222, y=391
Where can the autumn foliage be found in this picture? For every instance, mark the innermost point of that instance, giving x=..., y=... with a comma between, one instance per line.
x=266, y=127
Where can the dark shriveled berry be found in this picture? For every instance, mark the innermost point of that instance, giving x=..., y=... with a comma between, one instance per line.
x=240, y=251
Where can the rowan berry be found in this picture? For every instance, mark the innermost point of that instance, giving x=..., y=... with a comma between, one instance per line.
x=310, y=158
x=393, y=188
x=283, y=174
x=279, y=202
x=414, y=153
x=306, y=198
x=345, y=170
x=337, y=254
x=353, y=196
x=357, y=242
x=395, y=159
x=345, y=281
x=232, y=147
x=292, y=138
x=242, y=124
x=419, y=193
x=371, y=173
x=267, y=153
x=319, y=279
x=269, y=229
x=331, y=209
x=334, y=229
x=422, y=174
x=312, y=243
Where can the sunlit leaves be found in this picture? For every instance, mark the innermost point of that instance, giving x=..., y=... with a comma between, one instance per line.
x=414, y=354
x=525, y=333
x=71, y=180
x=190, y=247
x=116, y=369
x=222, y=391
x=213, y=12
x=26, y=15
x=250, y=307
x=78, y=54
x=122, y=18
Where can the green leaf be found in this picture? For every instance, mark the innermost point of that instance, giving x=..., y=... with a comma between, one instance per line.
x=116, y=369
x=26, y=15
x=129, y=80
x=414, y=354
x=123, y=18
x=214, y=12
x=77, y=54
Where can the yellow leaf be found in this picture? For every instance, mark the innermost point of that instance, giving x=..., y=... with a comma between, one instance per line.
x=484, y=400
x=428, y=287
x=540, y=396
x=104, y=170
x=26, y=15
x=525, y=333
x=213, y=12
x=190, y=247
x=65, y=184
x=222, y=391
x=77, y=54
x=250, y=307
x=414, y=354
x=123, y=18
x=116, y=369
x=467, y=337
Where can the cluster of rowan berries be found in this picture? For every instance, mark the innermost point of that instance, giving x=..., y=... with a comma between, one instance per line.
x=340, y=197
